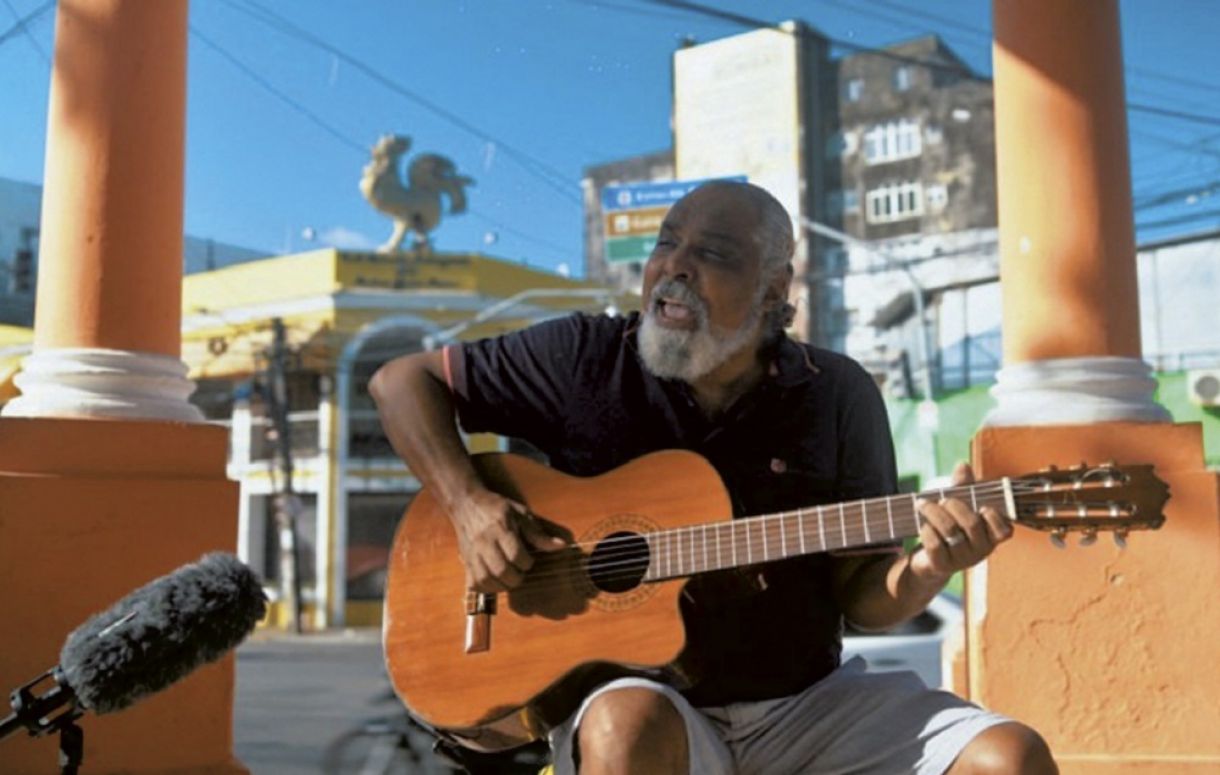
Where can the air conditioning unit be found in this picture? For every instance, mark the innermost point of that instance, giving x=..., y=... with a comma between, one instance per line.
x=1203, y=386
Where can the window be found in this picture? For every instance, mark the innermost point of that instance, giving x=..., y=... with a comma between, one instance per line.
x=892, y=141
x=902, y=78
x=851, y=200
x=937, y=197
x=840, y=144
x=895, y=202
x=843, y=201
x=854, y=89
x=835, y=145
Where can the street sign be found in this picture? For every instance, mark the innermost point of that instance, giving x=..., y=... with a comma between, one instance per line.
x=633, y=215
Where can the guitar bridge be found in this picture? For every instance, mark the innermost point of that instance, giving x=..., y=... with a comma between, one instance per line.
x=480, y=608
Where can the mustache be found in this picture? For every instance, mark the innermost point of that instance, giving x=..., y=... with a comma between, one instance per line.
x=679, y=292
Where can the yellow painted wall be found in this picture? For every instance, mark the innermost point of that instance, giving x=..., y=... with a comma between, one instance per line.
x=230, y=310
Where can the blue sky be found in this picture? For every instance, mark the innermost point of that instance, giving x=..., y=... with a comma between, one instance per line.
x=533, y=91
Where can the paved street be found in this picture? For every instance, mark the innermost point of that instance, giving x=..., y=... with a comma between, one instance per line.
x=297, y=694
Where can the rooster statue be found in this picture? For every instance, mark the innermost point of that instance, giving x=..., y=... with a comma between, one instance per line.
x=416, y=207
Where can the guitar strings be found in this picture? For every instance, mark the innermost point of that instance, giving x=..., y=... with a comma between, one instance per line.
x=629, y=543
x=899, y=501
x=633, y=562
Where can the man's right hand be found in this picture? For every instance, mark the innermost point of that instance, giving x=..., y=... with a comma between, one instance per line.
x=496, y=537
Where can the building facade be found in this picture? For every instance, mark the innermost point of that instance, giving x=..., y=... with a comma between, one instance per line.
x=342, y=315
x=892, y=147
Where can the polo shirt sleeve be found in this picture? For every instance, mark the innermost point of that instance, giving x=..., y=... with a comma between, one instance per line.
x=867, y=468
x=518, y=384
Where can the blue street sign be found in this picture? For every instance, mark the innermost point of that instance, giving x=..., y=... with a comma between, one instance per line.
x=633, y=196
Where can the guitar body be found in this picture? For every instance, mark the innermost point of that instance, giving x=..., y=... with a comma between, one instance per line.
x=565, y=629
x=497, y=671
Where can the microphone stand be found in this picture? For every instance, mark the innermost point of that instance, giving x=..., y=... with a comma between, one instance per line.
x=33, y=711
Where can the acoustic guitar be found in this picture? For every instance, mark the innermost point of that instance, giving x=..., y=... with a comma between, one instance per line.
x=496, y=671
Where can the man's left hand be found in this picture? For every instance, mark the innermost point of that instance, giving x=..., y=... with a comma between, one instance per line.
x=954, y=537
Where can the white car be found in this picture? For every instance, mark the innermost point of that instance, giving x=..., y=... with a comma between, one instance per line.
x=915, y=645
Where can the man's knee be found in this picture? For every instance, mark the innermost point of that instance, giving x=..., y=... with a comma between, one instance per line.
x=633, y=725
x=1006, y=749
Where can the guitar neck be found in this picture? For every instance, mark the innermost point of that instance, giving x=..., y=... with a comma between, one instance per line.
x=766, y=538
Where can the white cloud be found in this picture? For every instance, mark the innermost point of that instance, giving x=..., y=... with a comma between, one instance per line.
x=345, y=239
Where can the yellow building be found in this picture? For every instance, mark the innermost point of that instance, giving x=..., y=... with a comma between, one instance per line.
x=343, y=314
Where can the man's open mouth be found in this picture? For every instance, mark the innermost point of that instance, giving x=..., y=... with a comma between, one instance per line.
x=671, y=311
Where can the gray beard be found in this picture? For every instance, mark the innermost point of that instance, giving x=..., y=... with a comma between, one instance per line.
x=690, y=355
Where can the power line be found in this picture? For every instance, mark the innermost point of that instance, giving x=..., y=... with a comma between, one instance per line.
x=340, y=136
x=22, y=23
x=1179, y=220
x=1179, y=195
x=1195, y=117
x=253, y=75
x=552, y=177
x=517, y=233
x=25, y=27
x=603, y=4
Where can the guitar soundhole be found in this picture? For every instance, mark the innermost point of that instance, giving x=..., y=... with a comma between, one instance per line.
x=618, y=562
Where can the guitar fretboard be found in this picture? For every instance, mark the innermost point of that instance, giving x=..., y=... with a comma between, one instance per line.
x=768, y=537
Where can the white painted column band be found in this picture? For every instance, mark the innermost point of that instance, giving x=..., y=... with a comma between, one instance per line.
x=1075, y=391
x=102, y=383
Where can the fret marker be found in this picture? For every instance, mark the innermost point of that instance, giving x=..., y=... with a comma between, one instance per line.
x=763, y=527
x=783, y=538
x=889, y=512
x=864, y=518
x=822, y=529
x=800, y=527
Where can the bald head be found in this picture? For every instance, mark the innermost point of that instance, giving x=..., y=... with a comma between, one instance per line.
x=774, y=232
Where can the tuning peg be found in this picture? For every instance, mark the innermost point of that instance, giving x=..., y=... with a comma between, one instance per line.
x=1120, y=539
x=1089, y=538
x=1058, y=538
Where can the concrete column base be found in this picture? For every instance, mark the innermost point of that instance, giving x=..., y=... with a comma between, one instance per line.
x=101, y=383
x=1075, y=391
x=90, y=510
x=1109, y=653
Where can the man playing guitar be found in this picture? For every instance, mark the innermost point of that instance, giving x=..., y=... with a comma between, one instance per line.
x=706, y=366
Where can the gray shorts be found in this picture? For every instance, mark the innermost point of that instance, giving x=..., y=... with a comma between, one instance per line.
x=851, y=721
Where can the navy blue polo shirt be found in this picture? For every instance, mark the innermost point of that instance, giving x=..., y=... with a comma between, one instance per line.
x=813, y=431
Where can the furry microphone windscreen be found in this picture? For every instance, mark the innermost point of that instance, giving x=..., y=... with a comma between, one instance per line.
x=161, y=632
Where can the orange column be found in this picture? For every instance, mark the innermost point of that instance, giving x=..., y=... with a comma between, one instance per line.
x=90, y=508
x=113, y=186
x=108, y=314
x=1067, y=244
x=1106, y=651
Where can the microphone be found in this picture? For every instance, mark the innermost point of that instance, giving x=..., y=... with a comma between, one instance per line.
x=150, y=639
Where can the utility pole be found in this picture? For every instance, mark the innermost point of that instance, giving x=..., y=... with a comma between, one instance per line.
x=286, y=503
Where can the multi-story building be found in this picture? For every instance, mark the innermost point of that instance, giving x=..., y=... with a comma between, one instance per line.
x=893, y=147
x=342, y=314
x=910, y=149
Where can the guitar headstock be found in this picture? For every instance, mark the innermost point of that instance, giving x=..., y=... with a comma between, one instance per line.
x=1090, y=499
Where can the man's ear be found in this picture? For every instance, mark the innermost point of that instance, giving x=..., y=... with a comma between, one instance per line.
x=777, y=290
